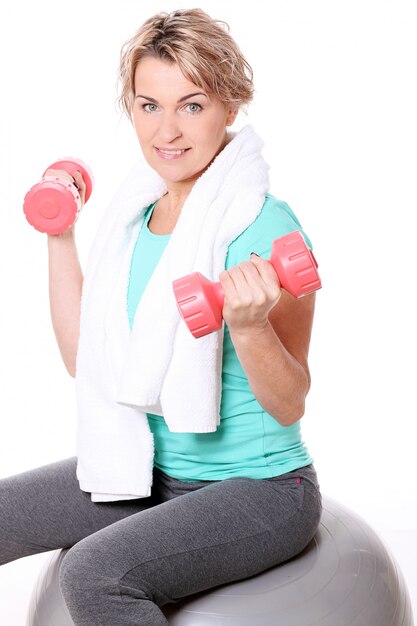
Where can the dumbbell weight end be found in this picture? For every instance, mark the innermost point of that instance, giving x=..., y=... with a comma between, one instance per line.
x=200, y=303
x=295, y=264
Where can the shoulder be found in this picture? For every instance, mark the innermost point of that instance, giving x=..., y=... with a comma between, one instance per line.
x=278, y=214
x=275, y=219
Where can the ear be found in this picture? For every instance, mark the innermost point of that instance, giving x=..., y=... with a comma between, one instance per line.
x=232, y=116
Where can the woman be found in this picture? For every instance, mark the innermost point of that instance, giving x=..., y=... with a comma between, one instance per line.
x=190, y=469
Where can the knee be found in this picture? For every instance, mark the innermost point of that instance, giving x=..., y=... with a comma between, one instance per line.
x=88, y=570
x=69, y=569
x=92, y=591
x=12, y=544
x=78, y=573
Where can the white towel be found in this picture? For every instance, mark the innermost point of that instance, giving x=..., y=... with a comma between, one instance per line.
x=159, y=367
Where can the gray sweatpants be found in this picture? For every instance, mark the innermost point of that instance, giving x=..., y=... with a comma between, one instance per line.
x=131, y=557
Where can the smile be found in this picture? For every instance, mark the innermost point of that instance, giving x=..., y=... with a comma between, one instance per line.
x=171, y=154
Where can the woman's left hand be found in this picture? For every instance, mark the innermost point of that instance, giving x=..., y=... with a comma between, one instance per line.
x=251, y=290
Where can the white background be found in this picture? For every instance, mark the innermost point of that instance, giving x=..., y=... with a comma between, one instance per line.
x=335, y=104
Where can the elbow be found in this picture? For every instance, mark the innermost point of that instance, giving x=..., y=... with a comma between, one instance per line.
x=292, y=416
x=71, y=369
x=70, y=363
x=296, y=409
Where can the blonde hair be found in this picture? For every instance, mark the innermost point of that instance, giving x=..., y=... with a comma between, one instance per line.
x=202, y=48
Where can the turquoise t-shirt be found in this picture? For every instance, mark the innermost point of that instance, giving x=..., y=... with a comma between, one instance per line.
x=248, y=442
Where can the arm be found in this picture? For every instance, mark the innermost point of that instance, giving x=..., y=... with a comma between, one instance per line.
x=65, y=287
x=270, y=330
x=274, y=357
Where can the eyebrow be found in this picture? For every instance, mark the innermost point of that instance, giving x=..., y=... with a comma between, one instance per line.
x=190, y=95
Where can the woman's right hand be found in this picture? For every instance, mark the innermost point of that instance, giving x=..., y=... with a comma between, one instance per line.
x=76, y=179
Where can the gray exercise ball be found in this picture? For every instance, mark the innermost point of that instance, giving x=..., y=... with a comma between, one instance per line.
x=344, y=577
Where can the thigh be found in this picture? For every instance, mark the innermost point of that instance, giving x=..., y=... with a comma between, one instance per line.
x=223, y=532
x=44, y=509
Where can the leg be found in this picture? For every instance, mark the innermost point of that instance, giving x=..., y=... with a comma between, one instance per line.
x=222, y=532
x=44, y=509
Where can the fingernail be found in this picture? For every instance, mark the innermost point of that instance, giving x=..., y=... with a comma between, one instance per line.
x=255, y=253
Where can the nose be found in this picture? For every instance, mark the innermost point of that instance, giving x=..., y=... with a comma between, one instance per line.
x=169, y=128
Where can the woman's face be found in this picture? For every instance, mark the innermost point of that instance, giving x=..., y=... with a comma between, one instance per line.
x=172, y=113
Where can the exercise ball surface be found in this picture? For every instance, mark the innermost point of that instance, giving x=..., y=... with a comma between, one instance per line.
x=345, y=577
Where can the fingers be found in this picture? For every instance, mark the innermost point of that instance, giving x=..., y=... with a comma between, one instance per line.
x=251, y=290
x=80, y=184
x=53, y=172
x=267, y=273
x=253, y=280
x=245, y=284
x=76, y=179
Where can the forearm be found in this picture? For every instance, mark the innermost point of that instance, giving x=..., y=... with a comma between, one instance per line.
x=278, y=381
x=65, y=287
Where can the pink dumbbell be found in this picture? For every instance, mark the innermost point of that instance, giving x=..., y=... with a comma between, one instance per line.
x=200, y=301
x=53, y=205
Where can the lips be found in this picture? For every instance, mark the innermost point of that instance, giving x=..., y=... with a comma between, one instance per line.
x=171, y=150
x=171, y=155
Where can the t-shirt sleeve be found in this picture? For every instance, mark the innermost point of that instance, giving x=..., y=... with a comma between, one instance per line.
x=275, y=219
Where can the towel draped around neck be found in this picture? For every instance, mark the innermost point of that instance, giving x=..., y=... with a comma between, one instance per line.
x=158, y=366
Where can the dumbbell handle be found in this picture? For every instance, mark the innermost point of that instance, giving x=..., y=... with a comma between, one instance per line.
x=200, y=301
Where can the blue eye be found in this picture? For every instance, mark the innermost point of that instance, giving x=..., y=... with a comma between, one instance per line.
x=191, y=104
x=194, y=104
x=149, y=104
